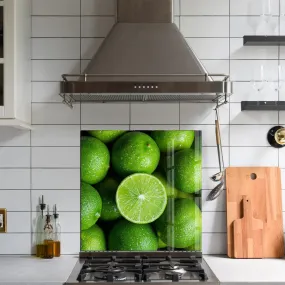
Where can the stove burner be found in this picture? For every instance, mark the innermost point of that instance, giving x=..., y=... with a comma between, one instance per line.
x=111, y=267
x=179, y=270
x=174, y=276
x=169, y=265
x=141, y=270
x=171, y=268
x=110, y=272
x=110, y=277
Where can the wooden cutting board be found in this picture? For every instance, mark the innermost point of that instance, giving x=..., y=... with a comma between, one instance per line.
x=248, y=233
x=262, y=186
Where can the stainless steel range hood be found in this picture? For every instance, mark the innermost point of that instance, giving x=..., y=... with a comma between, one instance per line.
x=145, y=58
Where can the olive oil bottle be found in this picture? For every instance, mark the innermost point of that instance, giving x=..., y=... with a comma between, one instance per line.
x=57, y=233
x=40, y=222
x=48, y=237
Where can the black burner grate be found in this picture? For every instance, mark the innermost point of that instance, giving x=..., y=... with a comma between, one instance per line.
x=141, y=269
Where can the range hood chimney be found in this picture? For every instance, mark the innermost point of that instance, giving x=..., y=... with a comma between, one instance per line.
x=145, y=58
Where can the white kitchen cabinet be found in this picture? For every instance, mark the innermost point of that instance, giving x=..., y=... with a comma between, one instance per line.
x=15, y=63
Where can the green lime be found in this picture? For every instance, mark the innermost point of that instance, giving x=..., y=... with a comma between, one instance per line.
x=91, y=206
x=92, y=239
x=197, y=246
x=126, y=236
x=170, y=191
x=107, y=189
x=187, y=170
x=135, y=152
x=161, y=244
x=168, y=141
x=95, y=160
x=185, y=228
x=141, y=198
x=183, y=195
x=106, y=136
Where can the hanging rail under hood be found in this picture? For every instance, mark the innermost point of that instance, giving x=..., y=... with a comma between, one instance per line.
x=145, y=58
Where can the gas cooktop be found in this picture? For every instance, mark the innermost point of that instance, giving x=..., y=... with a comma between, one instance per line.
x=140, y=268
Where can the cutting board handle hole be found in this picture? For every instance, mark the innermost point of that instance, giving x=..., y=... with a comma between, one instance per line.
x=253, y=176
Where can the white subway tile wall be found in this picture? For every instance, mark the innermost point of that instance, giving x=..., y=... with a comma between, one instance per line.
x=66, y=48
x=45, y=161
x=251, y=7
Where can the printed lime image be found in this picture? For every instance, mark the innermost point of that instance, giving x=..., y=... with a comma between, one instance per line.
x=93, y=239
x=173, y=140
x=135, y=152
x=171, y=191
x=128, y=236
x=187, y=176
x=107, y=189
x=185, y=225
x=141, y=198
x=106, y=136
x=141, y=190
x=91, y=206
x=95, y=160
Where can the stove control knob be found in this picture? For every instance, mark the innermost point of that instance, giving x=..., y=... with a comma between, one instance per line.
x=175, y=278
x=138, y=277
x=203, y=276
x=110, y=277
x=146, y=277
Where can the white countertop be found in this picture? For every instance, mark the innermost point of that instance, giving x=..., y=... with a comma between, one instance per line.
x=242, y=271
x=28, y=270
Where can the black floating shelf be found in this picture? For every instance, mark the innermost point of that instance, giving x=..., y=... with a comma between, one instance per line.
x=264, y=40
x=263, y=105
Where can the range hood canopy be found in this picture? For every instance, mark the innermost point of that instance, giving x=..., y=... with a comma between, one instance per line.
x=145, y=58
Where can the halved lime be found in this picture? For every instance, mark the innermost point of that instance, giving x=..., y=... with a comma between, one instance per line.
x=141, y=198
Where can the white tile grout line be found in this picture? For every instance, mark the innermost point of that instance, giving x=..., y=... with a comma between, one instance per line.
x=31, y=175
x=183, y=16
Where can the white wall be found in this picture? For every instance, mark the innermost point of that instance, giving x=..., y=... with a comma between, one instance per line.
x=46, y=161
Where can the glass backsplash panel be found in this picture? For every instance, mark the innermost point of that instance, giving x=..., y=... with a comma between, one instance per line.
x=141, y=190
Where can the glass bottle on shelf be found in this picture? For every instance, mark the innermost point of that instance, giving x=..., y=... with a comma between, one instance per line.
x=57, y=233
x=48, y=236
x=40, y=222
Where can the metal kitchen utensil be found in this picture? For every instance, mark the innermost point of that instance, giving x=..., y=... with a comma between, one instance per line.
x=218, y=176
x=216, y=192
x=219, y=188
